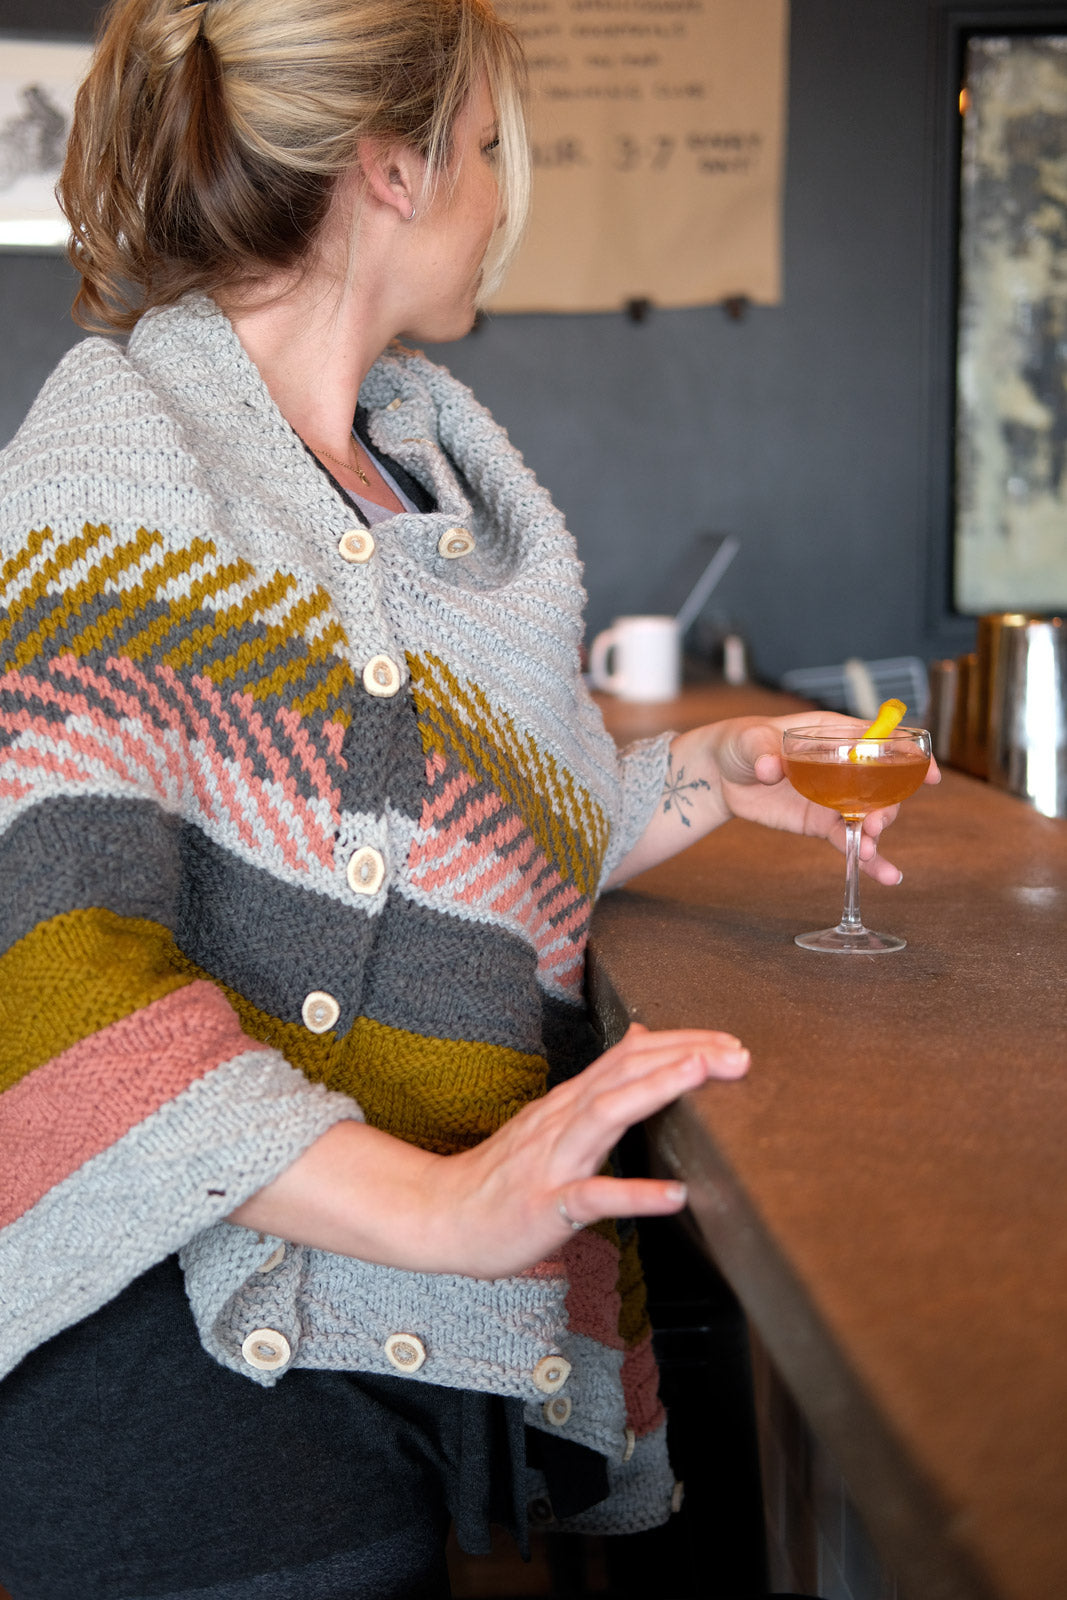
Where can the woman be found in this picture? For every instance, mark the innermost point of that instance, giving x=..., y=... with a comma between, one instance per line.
x=304, y=810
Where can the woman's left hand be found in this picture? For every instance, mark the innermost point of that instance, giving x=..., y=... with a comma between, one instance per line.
x=735, y=769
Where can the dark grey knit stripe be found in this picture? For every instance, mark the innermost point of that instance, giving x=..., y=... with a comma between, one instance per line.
x=73, y=854
x=448, y=978
x=408, y=967
x=383, y=758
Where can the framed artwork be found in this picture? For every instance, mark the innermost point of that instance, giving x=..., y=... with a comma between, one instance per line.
x=1010, y=500
x=38, y=82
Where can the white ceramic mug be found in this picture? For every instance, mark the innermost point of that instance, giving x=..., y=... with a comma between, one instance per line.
x=638, y=658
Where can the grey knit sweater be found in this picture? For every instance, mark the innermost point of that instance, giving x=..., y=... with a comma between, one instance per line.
x=298, y=822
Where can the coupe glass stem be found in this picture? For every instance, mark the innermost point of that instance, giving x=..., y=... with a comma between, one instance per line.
x=850, y=917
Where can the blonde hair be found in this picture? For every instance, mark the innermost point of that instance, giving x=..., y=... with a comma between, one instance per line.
x=208, y=136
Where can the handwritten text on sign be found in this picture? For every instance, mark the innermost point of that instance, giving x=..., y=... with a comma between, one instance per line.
x=657, y=130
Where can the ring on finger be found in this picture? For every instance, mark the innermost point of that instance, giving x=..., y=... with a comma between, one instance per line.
x=568, y=1219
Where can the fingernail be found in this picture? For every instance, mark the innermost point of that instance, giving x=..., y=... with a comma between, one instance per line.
x=900, y=877
x=677, y=1192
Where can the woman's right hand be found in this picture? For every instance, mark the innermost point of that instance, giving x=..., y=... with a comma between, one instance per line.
x=493, y=1210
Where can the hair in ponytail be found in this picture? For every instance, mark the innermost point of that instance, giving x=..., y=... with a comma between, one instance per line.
x=208, y=136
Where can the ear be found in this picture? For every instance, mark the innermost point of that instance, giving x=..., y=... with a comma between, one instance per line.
x=392, y=174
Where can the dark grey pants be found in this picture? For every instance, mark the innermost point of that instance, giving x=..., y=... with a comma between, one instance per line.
x=134, y=1467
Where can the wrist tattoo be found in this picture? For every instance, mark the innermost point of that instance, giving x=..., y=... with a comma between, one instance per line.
x=676, y=789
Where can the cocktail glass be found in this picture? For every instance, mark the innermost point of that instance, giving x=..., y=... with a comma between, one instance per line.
x=837, y=767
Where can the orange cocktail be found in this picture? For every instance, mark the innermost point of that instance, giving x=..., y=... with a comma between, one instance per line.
x=841, y=767
x=854, y=787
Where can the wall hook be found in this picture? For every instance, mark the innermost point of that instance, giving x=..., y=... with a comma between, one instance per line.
x=736, y=306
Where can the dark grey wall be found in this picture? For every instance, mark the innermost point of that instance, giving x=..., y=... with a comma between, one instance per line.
x=815, y=431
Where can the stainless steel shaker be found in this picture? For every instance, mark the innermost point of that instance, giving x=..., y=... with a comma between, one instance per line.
x=1027, y=730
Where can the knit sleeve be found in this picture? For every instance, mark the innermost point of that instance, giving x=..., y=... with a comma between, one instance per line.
x=642, y=766
x=136, y=1108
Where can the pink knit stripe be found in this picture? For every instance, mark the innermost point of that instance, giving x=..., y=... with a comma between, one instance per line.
x=515, y=887
x=442, y=858
x=435, y=765
x=640, y=1387
x=592, y=1266
x=78, y=1104
x=319, y=845
x=169, y=715
x=212, y=757
x=312, y=762
x=29, y=728
x=43, y=759
x=570, y=938
x=334, y=734
x=546, y=921
x=529, y=887
x=476, y=812
x=443, y=802
x=131, y=707
x=568, y=979
x=269, y=814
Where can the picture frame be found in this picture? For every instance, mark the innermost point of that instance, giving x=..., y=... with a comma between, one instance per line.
x=39, y=79
x=1010, y=533
x=953, y=330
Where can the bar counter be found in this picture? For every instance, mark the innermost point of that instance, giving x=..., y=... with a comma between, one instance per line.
x=885, y=1191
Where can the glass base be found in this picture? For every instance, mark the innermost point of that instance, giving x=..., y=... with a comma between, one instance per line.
x=839, y=941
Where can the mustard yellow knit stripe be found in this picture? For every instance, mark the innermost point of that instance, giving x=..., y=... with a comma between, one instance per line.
x=52, y=570
x=73, y=975
x=458, y=720
x=633, y=1308
x=330, y=694
x=18, y=563
x=99, y=632
x=313, y=674
x=442, y=1094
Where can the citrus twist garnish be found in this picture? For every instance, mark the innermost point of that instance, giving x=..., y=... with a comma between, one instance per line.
x=890, y=713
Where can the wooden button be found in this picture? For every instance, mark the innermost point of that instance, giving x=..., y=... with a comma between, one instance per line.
x=381, y=677
x=551, y=1373
x=266, y=1349
x=557, y=1411
x=275, y=1259
x=405, y=1351
x=356, y=545
x=455, y=542
x=366, y=871
x=320, y=1011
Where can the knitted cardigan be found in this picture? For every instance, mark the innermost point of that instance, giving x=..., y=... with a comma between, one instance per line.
x=299, y=823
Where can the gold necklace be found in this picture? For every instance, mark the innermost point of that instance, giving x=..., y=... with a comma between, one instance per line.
x=349, y=466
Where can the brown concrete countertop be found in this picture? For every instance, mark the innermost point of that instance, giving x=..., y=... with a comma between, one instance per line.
x=886, y=1190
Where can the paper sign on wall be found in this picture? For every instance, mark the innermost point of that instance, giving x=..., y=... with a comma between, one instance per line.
x=657, y=129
